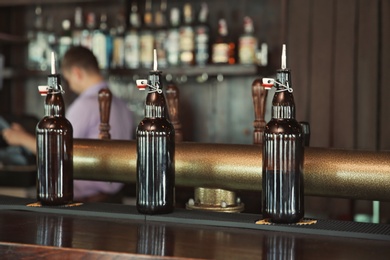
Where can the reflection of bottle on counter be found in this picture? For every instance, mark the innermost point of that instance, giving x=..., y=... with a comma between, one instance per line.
x=276, y=247
x=283, y=198
x=54, y=148
x=155, y=240
x=51, y=231
x=155, y=152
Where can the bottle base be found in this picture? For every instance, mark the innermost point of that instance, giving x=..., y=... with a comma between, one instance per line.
x=62, y=202
x=283, y=219
x=154, y=211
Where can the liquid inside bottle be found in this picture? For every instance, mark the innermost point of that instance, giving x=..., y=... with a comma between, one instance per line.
x=155, y=155
x=54, y=151
x=283, y=197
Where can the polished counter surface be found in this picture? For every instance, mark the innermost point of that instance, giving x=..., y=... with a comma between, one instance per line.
x=106, y=231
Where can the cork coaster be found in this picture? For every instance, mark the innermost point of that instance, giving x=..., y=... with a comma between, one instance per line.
x=73, y=204
x=302, y=222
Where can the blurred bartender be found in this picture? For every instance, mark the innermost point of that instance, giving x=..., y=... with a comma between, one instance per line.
x=80, y=69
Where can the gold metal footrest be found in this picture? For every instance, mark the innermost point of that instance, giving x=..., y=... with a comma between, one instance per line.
x=215, y=200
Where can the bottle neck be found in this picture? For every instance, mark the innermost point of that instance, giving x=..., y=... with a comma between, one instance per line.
x=155, y=105
x=222, y=28
x=54, y=102
x=283, y=105
x=187, y=14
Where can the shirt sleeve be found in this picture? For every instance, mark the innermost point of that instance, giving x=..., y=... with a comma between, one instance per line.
x=121, y=120
x=84, y=116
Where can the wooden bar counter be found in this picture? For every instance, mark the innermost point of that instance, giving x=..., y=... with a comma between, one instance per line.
x=116, y=231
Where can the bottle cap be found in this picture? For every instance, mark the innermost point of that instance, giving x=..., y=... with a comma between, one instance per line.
x=53, y=80
x=284, y=58
x=43, y=90
x=267, y=83
x=154, y=78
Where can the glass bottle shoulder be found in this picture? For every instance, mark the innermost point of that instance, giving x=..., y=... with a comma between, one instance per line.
x=287, y=126
x=54, y=122
x=155, y=124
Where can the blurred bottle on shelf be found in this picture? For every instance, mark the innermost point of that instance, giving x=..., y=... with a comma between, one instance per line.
x=160, y=35
x=262, y=55
x=147, y=37
x=247, y=43
x=223, y=48
x=172, y=43
x=36, y=58
x=87, y=33
x=132, y=39
x=118, y=42
x=202, y=37
x=50, y=40
x=65, y=40
x=102, y=43
x=78, y=26
x=187, y=39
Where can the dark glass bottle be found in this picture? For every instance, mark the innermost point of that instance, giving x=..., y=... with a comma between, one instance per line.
x=283, y=198
x=223, y=48
x=54, y=150
x=132, y=39
x=160, y=34
x=146, y=37
x=187, y=40
x=202, y=37
x=155, y=154
x=172, y=42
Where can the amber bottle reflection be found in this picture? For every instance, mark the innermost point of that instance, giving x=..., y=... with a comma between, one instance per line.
x=155, y=154
x=54, y=230
x=155, y=240
x=54, y=150
x=280, y=247
x=283, y=200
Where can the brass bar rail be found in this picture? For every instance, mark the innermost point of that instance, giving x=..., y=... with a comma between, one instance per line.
x=327, y=172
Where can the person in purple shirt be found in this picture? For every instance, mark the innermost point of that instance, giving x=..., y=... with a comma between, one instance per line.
x=80, y=68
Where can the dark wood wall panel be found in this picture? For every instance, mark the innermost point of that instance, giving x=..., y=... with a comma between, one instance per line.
x=321, y=71
x=384, y=56
x=298, y=44
x=342, y=109
x=367, y=75
x=339, y=54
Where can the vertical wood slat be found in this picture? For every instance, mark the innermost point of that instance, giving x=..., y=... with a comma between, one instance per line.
x=343, y=101
x=321, y=74
x=385, y=76
x=367, y=71
x=298, y=44
x=343, y=71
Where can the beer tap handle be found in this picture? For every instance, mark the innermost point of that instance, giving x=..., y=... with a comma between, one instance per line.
x=172, y=95
x=259, y=95
x=105, y=98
